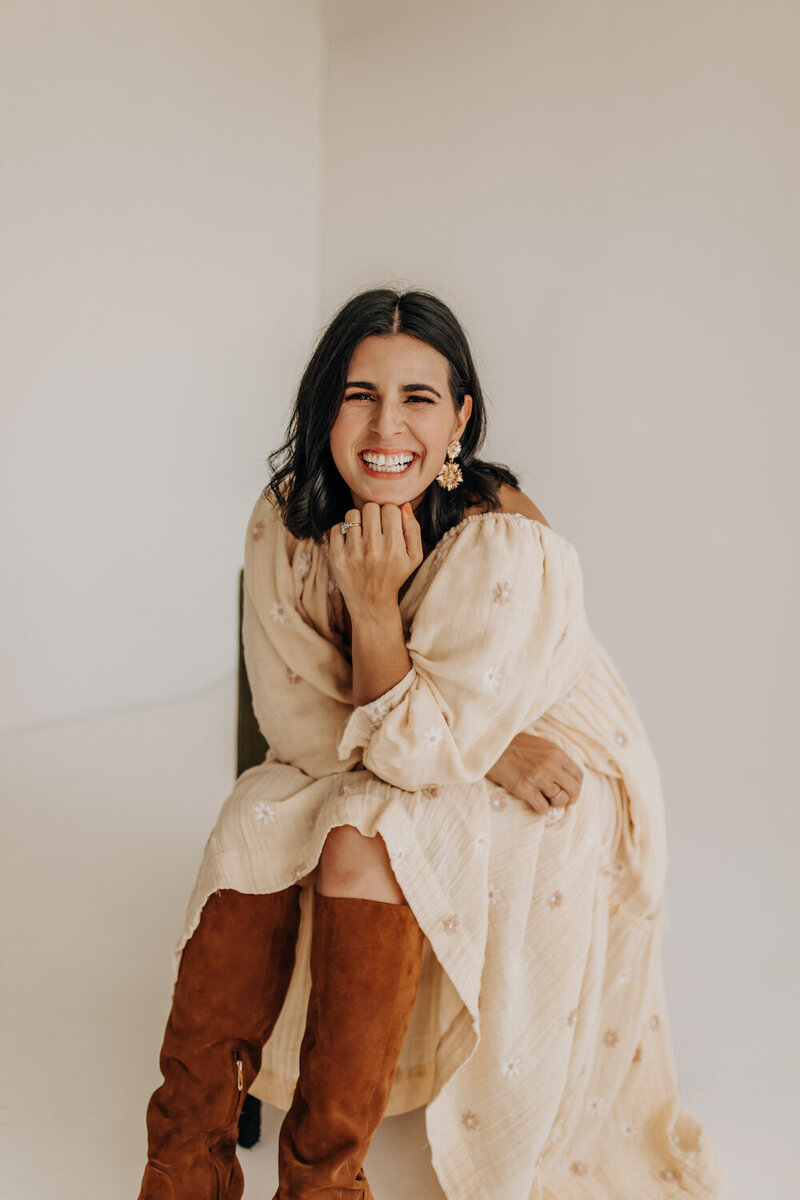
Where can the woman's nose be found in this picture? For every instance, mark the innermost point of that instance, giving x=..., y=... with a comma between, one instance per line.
x=387, y=419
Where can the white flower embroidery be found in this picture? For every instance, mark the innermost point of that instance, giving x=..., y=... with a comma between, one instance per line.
x=277, y=613
x=377, y=709
x=450, y=923
x=555, y=900
x=431, y=737
x=595, y=1105
x=629, y=1129
x=495, y=893
x=512, y=1068
x=502, y=592
x=469, y=1120
x=610, y=1037
x=264, y=811
x=491, y=679
x=348, y=789
x=497, y=802
x=620, y=738
x=332, y=585
x=303, y=563
x=553, y=815
x=258, y=530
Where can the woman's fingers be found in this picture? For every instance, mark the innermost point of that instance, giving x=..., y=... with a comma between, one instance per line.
x=371, y=521
x=551, y=765
x=559, y=777
x=337, y=540
x=385, y=528
x=535, y=769
x=571, y=768
x=413, y=533
x=536, y=800
x=399, y=527
x=390, y=524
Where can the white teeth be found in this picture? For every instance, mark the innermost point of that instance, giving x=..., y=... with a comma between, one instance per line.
x=387, y=462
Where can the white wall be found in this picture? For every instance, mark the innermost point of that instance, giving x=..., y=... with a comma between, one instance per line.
x=158, y=298
x=607, y=196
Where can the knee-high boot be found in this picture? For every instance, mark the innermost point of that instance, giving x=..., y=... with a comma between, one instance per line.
x=233, y=978
x=366, y=961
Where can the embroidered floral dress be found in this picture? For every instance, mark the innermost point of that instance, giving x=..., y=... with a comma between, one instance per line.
x=539, y=1041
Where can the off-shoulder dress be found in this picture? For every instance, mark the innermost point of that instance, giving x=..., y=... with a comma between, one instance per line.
x=539, y=1043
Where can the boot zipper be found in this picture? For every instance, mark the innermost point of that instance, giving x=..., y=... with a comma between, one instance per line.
x=239, y=1065
x=238, y=1099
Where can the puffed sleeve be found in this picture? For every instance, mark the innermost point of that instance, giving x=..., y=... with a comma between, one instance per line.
x=499, y=635
x=300, y=684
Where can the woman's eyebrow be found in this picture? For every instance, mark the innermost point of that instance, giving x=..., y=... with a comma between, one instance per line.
x=407, y=387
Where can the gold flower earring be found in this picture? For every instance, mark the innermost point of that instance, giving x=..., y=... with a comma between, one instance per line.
x=450, y=475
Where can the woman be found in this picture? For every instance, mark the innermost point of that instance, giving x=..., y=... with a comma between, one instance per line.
x=402, y=905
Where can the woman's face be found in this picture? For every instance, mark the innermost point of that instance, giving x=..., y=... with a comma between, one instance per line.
x=396, y=402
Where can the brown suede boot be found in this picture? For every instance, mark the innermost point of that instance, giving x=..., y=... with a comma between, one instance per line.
x=234, y=974
x=366, y=960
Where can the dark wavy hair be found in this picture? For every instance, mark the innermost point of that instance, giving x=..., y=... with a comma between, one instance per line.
x=305, y=482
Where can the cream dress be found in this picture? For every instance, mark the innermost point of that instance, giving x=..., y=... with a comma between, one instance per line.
x=539, y=1040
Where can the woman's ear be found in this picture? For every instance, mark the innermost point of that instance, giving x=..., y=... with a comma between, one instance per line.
x=464, y=415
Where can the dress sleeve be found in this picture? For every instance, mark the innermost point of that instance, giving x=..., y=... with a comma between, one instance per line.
x=300, y=684
x=499, y=635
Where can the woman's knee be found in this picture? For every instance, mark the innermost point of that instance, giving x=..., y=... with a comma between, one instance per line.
x=353, y=864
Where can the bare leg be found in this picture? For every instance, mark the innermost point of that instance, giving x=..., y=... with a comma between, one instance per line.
x=354, y=865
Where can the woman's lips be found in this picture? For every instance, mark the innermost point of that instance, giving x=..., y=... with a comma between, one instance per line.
x=387, y=474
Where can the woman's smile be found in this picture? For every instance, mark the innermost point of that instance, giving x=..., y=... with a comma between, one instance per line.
x=387, y=465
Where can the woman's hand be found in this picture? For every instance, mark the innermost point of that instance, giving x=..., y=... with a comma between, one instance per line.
x=532, y=767
x=371, y=563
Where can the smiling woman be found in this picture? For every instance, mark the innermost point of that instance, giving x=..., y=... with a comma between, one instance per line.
x=384, y=386
x=403, y=905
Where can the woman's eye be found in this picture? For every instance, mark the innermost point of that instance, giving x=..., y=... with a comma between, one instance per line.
x=366, y=396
